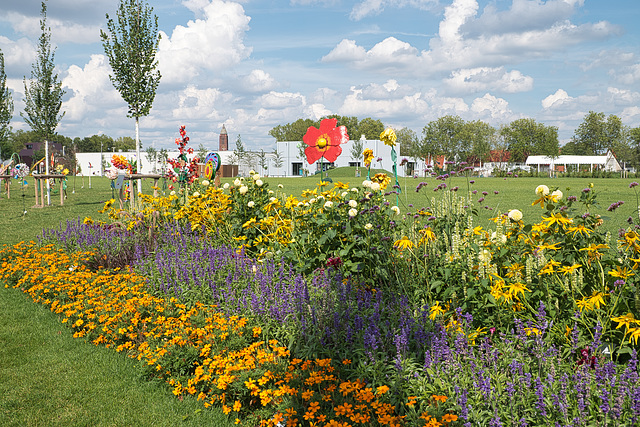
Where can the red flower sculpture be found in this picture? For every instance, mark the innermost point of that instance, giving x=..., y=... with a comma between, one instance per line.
x=325, y=142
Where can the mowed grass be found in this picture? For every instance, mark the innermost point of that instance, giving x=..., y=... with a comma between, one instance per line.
x=49, y=378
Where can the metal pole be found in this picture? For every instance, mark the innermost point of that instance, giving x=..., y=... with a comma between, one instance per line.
x=46, y=170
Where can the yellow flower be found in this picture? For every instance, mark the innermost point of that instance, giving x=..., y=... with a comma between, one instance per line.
x=389, y=137
x=584, y=304
x=634, y=334
x=549, y=267
x=557, y=218
x=569, y=269
x=516, y=288
x=622, y=273
x=532, y=331
x=403, y=244
x=249, y=223
x=625, y=320
x=236, y=406
x=435, y=310
x=579, y=229
x=368, y=157
x=427, y=235
x=596, y=299
x=383, y=179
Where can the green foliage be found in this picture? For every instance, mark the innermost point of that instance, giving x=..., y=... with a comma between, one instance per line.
x=6, y=104
x=408, y=142
x=524, y=137
x=597, y=134
x=95, y=144
x=43, y=94
x=131, y=47
x=325, y=229
x=452, y=137
x=295, y=131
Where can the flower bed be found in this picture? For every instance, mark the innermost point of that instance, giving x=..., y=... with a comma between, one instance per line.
x=224, y=360
x=516, y=322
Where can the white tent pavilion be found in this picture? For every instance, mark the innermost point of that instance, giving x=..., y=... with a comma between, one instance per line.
x=608, y=163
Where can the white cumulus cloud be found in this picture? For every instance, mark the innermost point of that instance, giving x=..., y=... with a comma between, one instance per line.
x=484, y=79
x=212, y=43
x=493, y=109
x=258, y=81
x=375, y=7
x=90, y=89
x=556, y=99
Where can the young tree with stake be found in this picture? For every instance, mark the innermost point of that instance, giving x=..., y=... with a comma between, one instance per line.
x=131, y=46
x=43, y=93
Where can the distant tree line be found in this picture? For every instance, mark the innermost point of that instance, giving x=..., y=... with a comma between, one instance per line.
x=477, y=141
x=16, y=141
x=368, y=127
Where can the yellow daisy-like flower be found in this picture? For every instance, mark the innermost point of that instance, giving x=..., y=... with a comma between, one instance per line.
x=435, y=310
x=383, y=179
x=427, y=236
x=517, y=288
x=597, y=299
x=625, y=320
x=621, y=272
x=389, y=137
x=368, y=157
x=404, y=243
x=568, y=269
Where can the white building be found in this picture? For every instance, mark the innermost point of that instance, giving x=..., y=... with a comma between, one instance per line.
x=294, y=162
x=607, y=163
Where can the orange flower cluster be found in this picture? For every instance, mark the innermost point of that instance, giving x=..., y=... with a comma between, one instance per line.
x=197, y=350
x=120, y=161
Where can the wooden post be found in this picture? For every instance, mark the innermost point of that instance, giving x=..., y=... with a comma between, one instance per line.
x=155, y=187
x=131, y=192
x=35, y=187
x=61, y=192
x=42, y=185
x=7, y=181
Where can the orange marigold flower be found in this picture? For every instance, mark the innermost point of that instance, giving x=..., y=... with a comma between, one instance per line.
x=448, y=418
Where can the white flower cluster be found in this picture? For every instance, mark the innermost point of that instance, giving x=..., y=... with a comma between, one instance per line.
x=515, y=215
x=542, y=190
x=111, y=173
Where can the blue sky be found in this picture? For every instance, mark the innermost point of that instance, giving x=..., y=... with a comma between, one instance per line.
x=252, y=65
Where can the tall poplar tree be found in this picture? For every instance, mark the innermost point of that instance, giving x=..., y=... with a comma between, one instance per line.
x=6, y=104
x=43, y=93
x=131, y=46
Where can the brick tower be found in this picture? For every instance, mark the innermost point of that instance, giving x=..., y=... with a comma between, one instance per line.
x=224, y=140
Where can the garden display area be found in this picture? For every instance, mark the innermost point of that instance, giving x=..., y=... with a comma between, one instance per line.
x=442, y=300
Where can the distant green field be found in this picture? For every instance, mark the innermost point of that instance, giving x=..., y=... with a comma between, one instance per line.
x=512, y=193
